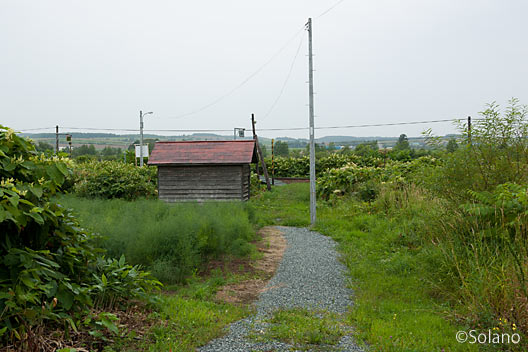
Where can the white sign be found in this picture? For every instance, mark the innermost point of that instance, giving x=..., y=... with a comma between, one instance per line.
x=145, y=151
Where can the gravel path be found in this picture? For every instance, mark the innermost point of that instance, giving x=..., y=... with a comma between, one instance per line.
x=309, y=276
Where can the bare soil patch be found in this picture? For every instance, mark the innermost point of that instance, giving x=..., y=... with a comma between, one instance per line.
x=271, y=245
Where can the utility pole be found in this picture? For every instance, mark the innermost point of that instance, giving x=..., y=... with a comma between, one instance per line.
x=57, y=139
x=469, y=129
x=272, y=163
x=312, y=142
x=259, y=152
x=141, y=135
x=141, y=138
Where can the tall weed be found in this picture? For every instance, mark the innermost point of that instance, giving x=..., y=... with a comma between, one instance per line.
x=172, y=240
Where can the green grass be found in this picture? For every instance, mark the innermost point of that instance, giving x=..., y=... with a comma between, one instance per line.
x=302, y=327
x=172, y=241
x=186, y=318
x=394, y=307
x=285, y=205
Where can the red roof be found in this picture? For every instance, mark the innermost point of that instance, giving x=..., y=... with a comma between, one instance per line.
x=203, y=152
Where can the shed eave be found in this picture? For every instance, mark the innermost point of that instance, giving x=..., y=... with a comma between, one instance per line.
x=194, y=164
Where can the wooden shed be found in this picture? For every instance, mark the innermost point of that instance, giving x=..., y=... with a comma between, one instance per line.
x=203, y=170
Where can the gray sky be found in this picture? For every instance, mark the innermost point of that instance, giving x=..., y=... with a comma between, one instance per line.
x=97, y=63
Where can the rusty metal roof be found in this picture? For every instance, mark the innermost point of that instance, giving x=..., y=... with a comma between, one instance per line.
x=203, y=152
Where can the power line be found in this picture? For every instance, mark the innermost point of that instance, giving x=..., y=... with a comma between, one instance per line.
x=329, y=9
x=241, y=84
x=260, y=129
x=285, y=81
x=393, y=124
x=38, y=129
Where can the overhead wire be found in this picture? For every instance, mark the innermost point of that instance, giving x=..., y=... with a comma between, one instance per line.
x=270, y=110
x=242, y=83
x=329, y=9
x=38, y=129
x=260, y=129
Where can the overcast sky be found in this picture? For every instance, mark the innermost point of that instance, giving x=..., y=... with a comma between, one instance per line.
x=97, y=63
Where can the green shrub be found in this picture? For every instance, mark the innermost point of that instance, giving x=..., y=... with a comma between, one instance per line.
x=485, y=245
x=363, y=181
x=496, y=153
x=49, y=265
x=114, y=179
x=172, y=240
x=256, y=187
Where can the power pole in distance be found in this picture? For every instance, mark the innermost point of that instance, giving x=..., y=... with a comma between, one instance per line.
x=57, y=139
x=312, y=142
x=259, y=152
x=469, y=129
x=141, y=135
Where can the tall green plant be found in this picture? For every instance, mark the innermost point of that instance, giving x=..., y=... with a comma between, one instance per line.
x=48, y=263
x=114, y=179
x=493, y=152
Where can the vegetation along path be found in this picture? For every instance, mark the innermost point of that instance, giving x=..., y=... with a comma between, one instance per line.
x=303, y=305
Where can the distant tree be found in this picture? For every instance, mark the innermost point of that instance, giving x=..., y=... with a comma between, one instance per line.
x=149, y=141
x=367, y=149
x=452, y=145
x=84, y=150
x=44, y=147
x=345, y=150
x=319, y=147
x=109, y=153
x=264, y=150
x=281, y=148
x=403, y=143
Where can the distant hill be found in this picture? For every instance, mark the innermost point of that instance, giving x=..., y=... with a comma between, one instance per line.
x=112, y=139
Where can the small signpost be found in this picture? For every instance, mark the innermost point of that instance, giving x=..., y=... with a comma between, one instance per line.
x=138, y=151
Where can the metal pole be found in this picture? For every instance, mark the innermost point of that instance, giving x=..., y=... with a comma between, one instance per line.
x=312, y=142
x=141, y=138
x=57, y=139
x=234, y=133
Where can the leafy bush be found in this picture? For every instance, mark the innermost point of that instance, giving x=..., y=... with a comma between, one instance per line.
x=113, y=179
x=494, y=224
x=495, y=152
x=256, y=187
x=363, y=181
x=49, y=264
x=300, y=167
x=172, y=240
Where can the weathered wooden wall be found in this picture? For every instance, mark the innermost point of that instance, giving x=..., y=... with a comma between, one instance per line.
x=203, y=183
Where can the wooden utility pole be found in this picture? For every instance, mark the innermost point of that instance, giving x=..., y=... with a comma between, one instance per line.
x=272, y=163
x=312, y=142
x=259, y=152
x=469, y=129
x=57, y=139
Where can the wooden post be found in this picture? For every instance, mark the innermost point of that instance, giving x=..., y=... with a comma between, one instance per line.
x=469, y=128
x=259, y=152
x=272, y=163
x=57, y=139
